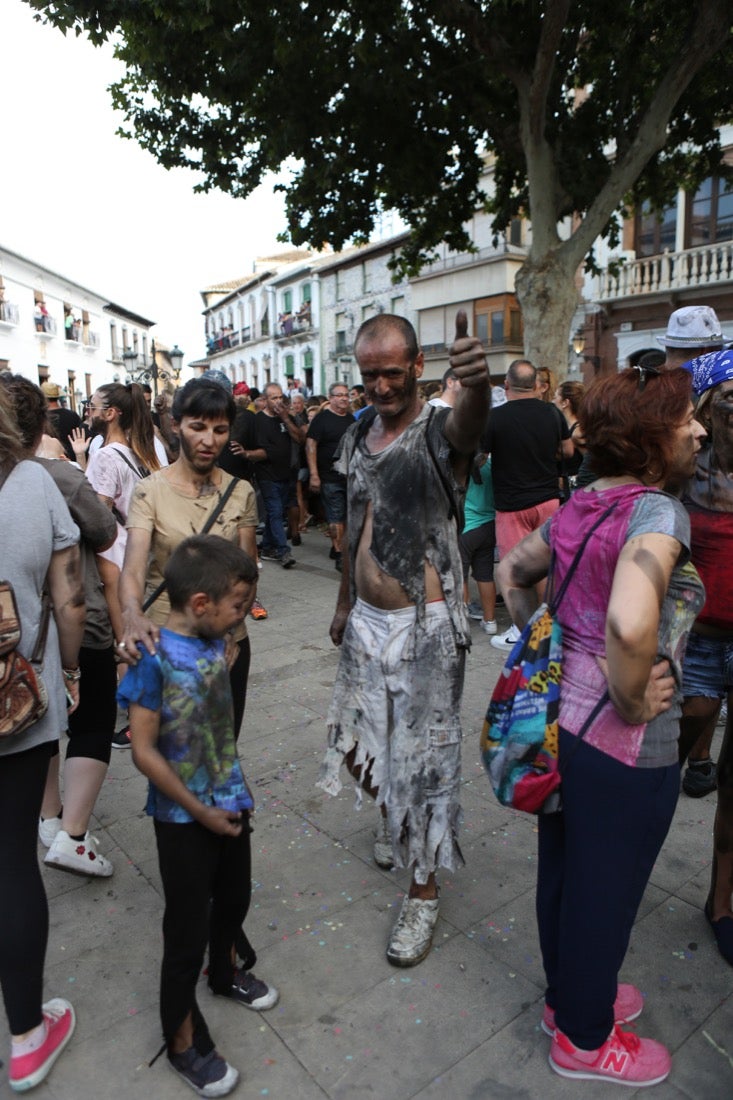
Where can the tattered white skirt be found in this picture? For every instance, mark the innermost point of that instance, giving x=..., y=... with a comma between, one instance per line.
x=397, y=700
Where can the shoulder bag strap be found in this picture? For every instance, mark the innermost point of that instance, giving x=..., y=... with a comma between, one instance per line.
x=219, y=508
x=140, y=471
x=204, y=531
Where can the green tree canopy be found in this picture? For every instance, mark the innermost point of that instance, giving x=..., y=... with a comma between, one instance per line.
x=585, y=106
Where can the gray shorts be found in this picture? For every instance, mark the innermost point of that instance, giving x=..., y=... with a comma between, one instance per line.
x=397, y=701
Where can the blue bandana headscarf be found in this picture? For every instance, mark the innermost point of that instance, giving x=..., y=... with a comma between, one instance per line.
x=711, y=369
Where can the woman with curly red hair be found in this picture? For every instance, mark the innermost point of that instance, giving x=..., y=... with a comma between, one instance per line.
x=625, y=618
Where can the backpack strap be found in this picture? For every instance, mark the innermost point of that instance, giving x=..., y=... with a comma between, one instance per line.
x=556, y=599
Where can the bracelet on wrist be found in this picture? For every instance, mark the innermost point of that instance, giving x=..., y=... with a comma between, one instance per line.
x=73, y=675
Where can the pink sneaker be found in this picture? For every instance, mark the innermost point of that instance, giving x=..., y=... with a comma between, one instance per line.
x=624, y=1059
x=28, y=1070
x=627, y=1006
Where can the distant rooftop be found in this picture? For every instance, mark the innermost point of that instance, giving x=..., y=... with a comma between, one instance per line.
x=225, y=285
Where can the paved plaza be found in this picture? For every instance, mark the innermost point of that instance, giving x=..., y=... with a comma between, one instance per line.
x=464, y=1025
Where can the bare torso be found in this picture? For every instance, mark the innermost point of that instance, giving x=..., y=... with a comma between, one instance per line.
x=373, y=585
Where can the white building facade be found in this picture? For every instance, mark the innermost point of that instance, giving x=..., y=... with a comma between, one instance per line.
x=53, y=329
x=354, y=285
x=262, y=328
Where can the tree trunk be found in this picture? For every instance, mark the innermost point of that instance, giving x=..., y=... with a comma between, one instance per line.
x=548, y=297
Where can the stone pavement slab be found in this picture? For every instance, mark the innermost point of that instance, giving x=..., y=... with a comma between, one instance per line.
x=465, y=1023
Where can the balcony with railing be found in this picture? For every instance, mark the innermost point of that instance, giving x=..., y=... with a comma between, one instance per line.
x=451, y=261
x=90, y=340
x=294, y=324
x=707, y=266
x=45, y=326
x=72, y=333
x=226, y=338
x=9, y=314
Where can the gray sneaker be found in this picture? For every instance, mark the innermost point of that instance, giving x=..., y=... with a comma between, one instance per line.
x=287, y=560
x=383, y=846
x=474, y=610
x=412, y=935
x=208, y=1075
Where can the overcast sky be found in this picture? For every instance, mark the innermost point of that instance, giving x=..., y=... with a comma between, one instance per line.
x=98, y=209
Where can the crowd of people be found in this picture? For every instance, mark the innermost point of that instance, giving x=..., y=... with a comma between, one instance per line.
x=144, y=569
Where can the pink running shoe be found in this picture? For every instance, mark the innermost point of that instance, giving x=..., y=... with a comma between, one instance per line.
x=627, y=1006
x=28, y=1070
x=624, y=1059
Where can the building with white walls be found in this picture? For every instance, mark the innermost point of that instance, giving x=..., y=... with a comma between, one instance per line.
x=242, y=324
x=54, y=329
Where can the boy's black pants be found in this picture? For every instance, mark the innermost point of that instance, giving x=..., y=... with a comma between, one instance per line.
x=207, y=886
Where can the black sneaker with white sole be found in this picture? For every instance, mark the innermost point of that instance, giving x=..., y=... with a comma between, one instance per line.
x=251, y=992
x=207, y=1074
x=121, y=739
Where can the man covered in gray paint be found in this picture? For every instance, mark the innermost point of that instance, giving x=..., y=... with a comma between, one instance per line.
x=395, y=714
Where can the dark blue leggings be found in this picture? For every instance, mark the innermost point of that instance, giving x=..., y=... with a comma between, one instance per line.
x=23, y=908
x=594, y=862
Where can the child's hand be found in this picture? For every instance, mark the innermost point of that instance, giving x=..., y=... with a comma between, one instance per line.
x=222, y=822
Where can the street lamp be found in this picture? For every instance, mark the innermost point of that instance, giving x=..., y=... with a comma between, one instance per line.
x=153, y=373
x=176, y=357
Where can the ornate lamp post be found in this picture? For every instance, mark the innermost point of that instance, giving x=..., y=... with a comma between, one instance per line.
x=152, y=373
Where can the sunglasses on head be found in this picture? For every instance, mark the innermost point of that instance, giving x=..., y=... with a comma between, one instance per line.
x=644, y=374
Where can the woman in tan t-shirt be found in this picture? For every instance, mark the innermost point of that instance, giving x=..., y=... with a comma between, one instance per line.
x=173, y=504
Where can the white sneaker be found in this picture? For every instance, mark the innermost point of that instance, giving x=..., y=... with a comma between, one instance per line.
x=488, y=626
x=383, y=846
x=412, y=935
x=47, y=830
x=507, y=640
x=79, y=856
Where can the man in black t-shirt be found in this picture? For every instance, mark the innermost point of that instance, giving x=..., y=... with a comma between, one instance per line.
x=525, y=438
x=277, y=438
x=324, y=436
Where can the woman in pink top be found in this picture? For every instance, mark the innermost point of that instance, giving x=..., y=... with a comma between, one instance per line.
x=625, y=619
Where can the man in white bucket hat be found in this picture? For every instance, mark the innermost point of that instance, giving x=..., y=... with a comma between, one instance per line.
x=691, y=331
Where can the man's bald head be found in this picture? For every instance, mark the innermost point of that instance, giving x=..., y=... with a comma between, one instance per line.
x=521, y=377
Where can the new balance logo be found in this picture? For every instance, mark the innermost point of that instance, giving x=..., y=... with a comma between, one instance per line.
x=615, y=1061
